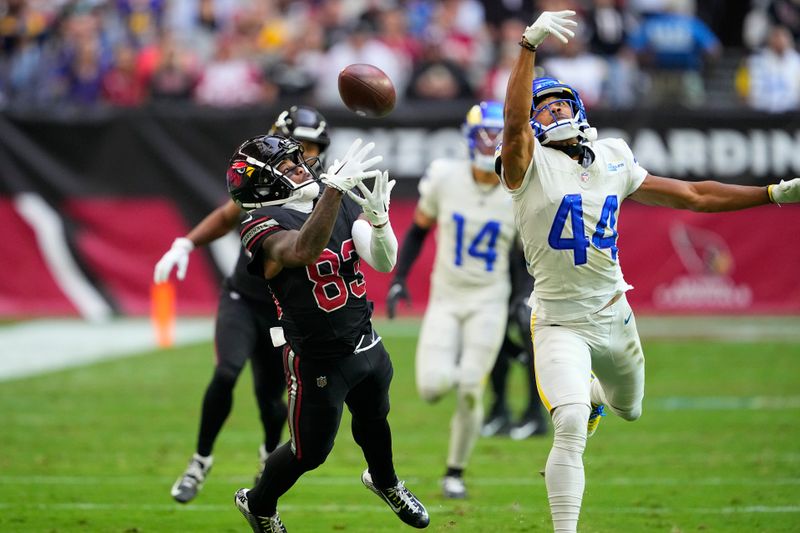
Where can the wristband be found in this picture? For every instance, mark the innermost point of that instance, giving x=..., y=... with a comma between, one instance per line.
x=769, y=194
x=526, y=45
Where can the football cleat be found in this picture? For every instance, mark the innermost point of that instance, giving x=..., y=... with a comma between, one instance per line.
x=260, y=524
x=496, y=424
x=453, y=487
x=528, y=427
x=191, y=481
x=404, y=504
x=263, y=454
x=597, y=412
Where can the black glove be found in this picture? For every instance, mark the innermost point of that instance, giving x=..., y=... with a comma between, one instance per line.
x=397, y=291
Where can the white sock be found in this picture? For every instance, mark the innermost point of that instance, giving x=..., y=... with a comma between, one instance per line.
x=564, y=475
x=596, y=393
x=465, y=427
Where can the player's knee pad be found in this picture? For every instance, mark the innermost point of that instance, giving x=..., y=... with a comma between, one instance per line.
x=570, y=426
x=470, y=395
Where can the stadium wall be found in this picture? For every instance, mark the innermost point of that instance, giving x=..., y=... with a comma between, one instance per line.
x=89, y=201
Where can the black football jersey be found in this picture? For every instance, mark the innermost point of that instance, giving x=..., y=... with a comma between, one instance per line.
x=252, y=287
x=323, y=307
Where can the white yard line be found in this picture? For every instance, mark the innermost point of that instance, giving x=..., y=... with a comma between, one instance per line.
x=523, y=481
x=323, y=508
x=40, y=346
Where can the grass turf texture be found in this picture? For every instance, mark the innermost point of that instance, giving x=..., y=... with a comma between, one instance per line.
x=97, y=449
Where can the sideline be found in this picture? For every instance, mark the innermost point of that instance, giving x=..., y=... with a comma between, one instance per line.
x=46, y=345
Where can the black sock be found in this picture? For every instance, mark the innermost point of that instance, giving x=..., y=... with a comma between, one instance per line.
x=454, y=472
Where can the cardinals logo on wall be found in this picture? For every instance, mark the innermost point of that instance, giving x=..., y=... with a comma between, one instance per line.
x=708, y=284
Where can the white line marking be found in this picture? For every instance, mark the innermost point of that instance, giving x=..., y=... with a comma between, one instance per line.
x=511, y=507
x=724, y=403
x=349, y=481
x=47, y=345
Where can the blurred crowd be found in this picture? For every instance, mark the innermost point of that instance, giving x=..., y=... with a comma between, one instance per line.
x=227, y=53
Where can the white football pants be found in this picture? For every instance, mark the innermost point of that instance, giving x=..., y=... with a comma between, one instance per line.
x=606, y=343
x=457, y=348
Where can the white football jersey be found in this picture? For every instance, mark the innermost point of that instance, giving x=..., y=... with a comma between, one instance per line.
x=474, y=235
x=567, y=218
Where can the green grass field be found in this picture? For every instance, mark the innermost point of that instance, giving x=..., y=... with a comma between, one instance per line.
x=97, y=449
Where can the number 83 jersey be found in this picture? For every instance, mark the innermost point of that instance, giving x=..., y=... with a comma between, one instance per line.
x=475, y=231
x=567, y=217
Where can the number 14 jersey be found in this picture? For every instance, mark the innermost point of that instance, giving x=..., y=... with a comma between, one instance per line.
x=475, y=231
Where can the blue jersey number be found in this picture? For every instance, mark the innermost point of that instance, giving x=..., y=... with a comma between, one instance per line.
x=482, y=246
x=572, y=206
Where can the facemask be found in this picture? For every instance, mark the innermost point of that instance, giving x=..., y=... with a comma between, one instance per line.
x=303, y=199
x=483, y=162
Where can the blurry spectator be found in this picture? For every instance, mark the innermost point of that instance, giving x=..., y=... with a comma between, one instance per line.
x=142, y=18
x=674, y=45
x=23, y=80
x=82, y=77
x=196, y=23
x=587, y=72
x=175, y=76
x=497, y=12
x=493, y=86
x=770, y=79
x=437, y=77
x=120, y=85
x=84, y=55
x=608, y=27
x=647, y=7
x=232, y=79
x=786, y=13
x=393, y=32
x=361, y=46
x=21, y=23
x=756, y=25
x=459, y=27
x=295, y=70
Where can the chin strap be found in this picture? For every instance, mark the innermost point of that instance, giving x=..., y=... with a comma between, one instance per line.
x=582, y=150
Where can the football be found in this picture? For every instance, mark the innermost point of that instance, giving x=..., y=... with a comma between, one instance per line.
x=367, y=90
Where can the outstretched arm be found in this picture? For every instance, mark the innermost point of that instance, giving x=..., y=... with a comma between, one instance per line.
x=216, y=224
x=712, y=196
x=303, y=247
x=518, y=140
x=373, y=236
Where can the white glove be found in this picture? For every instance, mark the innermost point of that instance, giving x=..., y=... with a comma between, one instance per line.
x=177, y=255
x=554, y=22
x=375, y=203
x=785, y=192
x=352, y=169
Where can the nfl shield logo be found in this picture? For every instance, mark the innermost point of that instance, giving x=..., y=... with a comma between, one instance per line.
x=322, y=381
x=584, y=176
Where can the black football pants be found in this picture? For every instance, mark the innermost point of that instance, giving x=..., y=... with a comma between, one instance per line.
x=318, y=391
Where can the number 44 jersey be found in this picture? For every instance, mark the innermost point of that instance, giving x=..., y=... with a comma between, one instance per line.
x=322, y=307
x=567, y=217
x=475, y=232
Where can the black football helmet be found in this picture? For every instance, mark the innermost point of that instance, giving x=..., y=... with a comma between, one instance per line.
x=253, y=177
x=304, y=124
